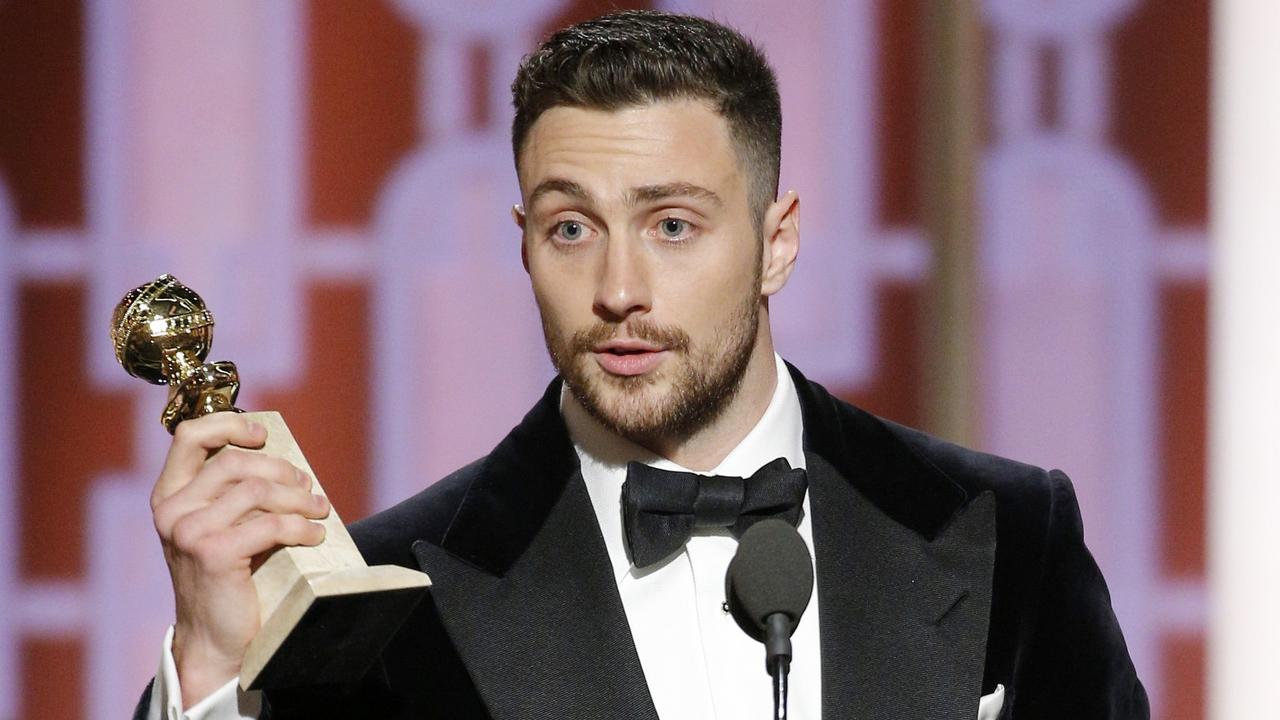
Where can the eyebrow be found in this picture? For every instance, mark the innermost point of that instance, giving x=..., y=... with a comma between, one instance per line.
x=557, y=185
x=635, y=196
x=651, y=193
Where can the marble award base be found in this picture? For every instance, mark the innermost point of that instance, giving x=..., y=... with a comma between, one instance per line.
x=325, y=614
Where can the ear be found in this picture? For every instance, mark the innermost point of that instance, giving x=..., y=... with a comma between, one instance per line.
x=781, y=242
x=517, y=214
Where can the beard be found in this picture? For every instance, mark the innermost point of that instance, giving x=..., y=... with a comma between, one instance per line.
x=702, y=382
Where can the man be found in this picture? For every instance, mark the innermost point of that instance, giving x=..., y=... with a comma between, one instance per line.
x=949, y=583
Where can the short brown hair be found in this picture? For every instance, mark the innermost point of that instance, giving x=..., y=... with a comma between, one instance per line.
x=636, y=57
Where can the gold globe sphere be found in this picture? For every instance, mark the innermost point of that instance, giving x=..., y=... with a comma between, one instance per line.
x=161, y=328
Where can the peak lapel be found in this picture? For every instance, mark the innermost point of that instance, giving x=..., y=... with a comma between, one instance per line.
x=905, y=561
x=525, y=590
x=903, y=618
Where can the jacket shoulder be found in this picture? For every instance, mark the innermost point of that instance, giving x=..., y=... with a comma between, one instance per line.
x=974, y=471
x=1024, y=493
x=386, y=537
x=1028, y=497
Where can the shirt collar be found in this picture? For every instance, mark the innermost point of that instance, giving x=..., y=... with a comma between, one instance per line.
x=604, y=455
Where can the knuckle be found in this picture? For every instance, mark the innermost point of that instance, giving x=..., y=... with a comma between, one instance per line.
x=186, y=536
x=231, y=461
x=236, y=464
x=163, y=519
x=186, y=433
x=223, y=461
x=294, y=529
x=284, y=471
x=207, y=551
x=172, y=479
x=258, y=490
x=275, y=524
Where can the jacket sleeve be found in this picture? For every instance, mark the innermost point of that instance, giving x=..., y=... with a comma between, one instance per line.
x=1075, y=663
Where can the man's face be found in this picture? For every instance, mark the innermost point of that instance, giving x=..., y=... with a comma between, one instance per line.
x=644, y=261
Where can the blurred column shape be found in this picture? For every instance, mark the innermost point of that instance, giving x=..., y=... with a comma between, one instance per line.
x=1244, y=374
x=1069, y=289
x=457, y=346
x=952, y=129
x=9, y=508
x=194, y=159
x=194, y=167
x=824, y=54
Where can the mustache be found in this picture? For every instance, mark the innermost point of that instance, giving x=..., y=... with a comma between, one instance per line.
x=668, y=336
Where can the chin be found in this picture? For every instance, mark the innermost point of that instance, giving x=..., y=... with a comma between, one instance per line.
x=632, y=406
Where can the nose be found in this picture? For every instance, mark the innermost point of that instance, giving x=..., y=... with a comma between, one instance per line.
x=622, y=287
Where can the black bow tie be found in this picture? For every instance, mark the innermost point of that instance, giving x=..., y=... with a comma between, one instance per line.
x=660, y=508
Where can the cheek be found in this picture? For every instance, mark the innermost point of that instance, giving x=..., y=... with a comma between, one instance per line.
x=704, y=303
x=549, y=306
x=558, y=295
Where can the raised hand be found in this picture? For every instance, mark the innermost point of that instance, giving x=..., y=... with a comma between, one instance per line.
x=216, y=507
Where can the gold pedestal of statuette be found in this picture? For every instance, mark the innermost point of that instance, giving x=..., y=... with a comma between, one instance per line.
x=325, y=614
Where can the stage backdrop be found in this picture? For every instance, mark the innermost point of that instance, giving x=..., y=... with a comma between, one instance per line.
x=335, y=178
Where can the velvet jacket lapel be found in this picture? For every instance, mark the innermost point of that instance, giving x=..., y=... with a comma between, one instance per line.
x=524, y=587
x=905, y=563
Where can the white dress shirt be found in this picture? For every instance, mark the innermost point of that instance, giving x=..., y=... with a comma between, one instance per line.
x=228, y=702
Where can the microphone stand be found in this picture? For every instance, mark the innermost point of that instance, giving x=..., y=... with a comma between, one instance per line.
x=778, y=659
x=778, y=669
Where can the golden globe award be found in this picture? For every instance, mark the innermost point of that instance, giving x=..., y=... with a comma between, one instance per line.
x=325, y=614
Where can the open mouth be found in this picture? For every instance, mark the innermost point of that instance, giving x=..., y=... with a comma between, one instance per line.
x=629, y=358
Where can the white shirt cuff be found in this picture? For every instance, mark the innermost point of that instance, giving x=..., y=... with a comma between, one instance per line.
x=228, y=702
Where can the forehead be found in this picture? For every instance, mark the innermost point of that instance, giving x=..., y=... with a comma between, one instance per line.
x=610, y=151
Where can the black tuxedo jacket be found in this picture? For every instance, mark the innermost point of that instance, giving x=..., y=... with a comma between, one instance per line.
x=941, y=572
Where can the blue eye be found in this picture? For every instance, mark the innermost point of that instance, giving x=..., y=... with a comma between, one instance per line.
x=570, y=230
x=673, y=228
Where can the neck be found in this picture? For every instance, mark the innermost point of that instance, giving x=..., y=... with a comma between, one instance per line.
x=706, y=448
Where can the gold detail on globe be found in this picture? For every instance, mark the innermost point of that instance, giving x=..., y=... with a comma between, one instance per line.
x=162, y=333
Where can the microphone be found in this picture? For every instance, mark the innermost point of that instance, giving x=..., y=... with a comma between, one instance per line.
x=768, y=586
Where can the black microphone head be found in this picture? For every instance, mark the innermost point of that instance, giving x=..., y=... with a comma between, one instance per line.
x=772, y=572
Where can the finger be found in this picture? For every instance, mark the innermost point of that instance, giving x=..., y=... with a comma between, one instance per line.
x=194, y=440
x=265, y=532
x=245, y=502
x=220, y=476
x=234, y=548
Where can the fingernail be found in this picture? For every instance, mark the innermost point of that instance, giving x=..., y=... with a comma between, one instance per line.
x=256, y=428
x=303, y=480
x=321, y=501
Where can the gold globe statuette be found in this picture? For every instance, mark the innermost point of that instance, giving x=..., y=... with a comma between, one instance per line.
x=325, y=614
